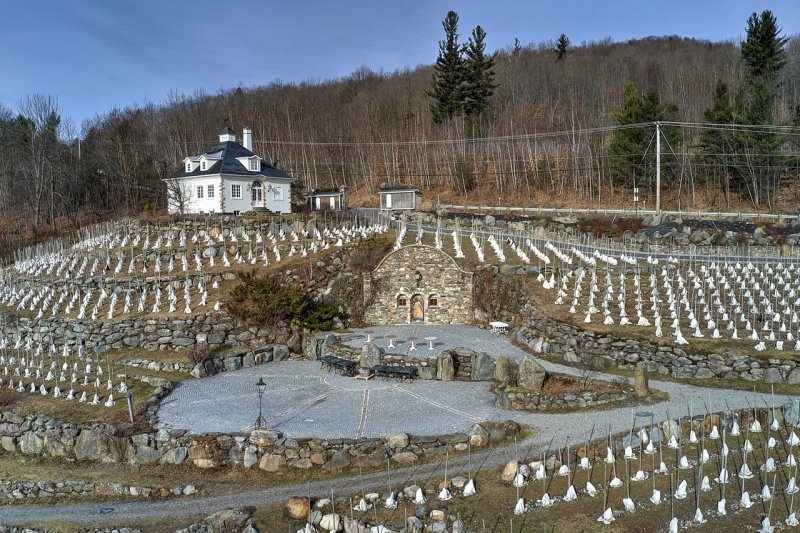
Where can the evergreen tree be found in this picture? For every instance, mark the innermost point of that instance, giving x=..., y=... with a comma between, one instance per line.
x=632, y=151
x=478, y=75
x=446, y=89
x=562, y=47
x=764, y=49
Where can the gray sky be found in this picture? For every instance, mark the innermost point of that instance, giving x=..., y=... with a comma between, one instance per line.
x=98, y=54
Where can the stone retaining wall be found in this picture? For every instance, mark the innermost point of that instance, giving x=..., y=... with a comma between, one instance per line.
x=21, y=490
x=535, y=401
x=575, y=345
x=45, y=437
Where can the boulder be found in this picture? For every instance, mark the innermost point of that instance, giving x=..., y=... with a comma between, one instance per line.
x=272, y=462
x=509, y=471
x=794, y=377
x=641, y=381
x=264, y=437
x=340, y=459
x=227, y=520
x=331, y=522
x=405, y=458
x=370, y=355
x=772, y=375
x=280, y=352
x=399, y=440
x=298, y=507
x=146, y=455
x=791, y=412
x=501, y=369
x=444, y=366
x=483, y=367
x=90, y=445
x=30, y=443
x=531, y=375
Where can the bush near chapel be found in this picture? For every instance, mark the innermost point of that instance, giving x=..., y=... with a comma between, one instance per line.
x=267, y=301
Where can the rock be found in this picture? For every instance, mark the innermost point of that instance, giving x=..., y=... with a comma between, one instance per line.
x=794, y=376
x=272, y=462
x=340, y=459
x=704, y=373
x=509, y=471
x=405, y=458
x=298, y=507
x=641, y=381
x=189, y=490
x=399, y=440
x=426, y=372
x=437, y=515
x=501, y=369
x=670, y=428
x=226, y=520
x=370, y=355
x=791, y=411
x=444, y=366
x=331, y=522
x=479, y=440
x=772, y=375
x=90, y=445
x=531, y=374
x=413, y=525
x=250, y=457
x=353, y=525
x=146, y=455
x=483, y=367
x=280, y=352
x=264, y=437
x=30, y=443
x=8, y=443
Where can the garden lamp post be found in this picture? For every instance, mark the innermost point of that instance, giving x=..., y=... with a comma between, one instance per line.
x=260, y=421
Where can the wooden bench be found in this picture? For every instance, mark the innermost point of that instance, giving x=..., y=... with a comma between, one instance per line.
x=402, y=373
x=344, y=367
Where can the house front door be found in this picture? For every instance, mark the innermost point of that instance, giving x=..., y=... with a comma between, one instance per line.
x=257, y=194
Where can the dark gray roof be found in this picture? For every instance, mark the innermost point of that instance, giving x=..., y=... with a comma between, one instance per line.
x=326, y=193
x=228, y=164
x=227, y=131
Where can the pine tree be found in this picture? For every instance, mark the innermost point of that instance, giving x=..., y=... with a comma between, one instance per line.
x=562, y=47
x=632, y=150
x=446, y=89
x=478, y=75
x=764, y=49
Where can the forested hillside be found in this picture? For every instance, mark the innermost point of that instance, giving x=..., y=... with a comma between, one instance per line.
x=546, y=136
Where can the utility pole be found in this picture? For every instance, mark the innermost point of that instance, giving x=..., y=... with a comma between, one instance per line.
x=658, y=168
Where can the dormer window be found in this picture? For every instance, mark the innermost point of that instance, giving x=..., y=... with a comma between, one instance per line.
x=188, y=166
x=202, y=165
x=254, y=164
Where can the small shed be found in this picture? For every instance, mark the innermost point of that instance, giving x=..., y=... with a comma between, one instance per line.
x=328, y=200
x=400, y=199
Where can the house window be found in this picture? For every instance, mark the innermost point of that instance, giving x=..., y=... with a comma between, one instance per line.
x=433, y=300
x=402, y=300
x=333, y=202
x=188, y=167
x=254, y=164
x=277, y=193
x=202, y=165
x=199, y=191
x=211, y=191
x=236, y=191
x=388, y=201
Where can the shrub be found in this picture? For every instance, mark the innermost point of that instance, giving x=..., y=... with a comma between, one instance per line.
x=369, y=252
x=267, y=300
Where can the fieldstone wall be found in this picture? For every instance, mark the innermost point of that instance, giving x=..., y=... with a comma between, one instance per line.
x=267, y=449
x=75, y=488
x=418, y=272
x=537, y=401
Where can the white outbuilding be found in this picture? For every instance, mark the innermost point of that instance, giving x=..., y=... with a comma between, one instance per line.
x=229, y=178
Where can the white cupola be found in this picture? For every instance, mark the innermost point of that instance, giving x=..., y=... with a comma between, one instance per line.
x=227, y=135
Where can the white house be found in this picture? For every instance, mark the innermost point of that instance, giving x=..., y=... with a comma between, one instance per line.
x=229, y=178
x=400, y=199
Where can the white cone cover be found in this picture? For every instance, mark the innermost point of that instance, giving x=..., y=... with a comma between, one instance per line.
x=680, y=493
x=391, y=502
x=769, y=465
x=723, y=476
x=571, y=494
x=563, y=471
x=704, y=457
x=793, y=439
x=609, y=456
x=655, y=499
x=629, y=506
x=307, y=529
x=766, y=494
x=791, y=520
x=546, y=501
x=616, y=482
x=584, y=464
x=775, y=426
x=362, y=505
x=469, y=488
x=608, y=517
x=629, y=453
x=721, y=507
x=541, y=473
x=639, y=476
x=748, y=447
x=420, y=497
x=673, y=525
x=650, y=450
x=766, y=527
x=755, y=427
x=520, y=507
x=445, y=495
x=698, y=516
x=745, y=501
x=714, y=435
x=684, y=463
x=735, y=429
x=662, y=468
x=519, y=480
x=673, y=443
x=791, y=486
x=591, y=490
x=771, y=443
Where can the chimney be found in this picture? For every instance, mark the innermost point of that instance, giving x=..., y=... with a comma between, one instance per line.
x=247, y=139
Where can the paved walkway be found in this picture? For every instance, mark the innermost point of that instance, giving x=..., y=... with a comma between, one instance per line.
x=301, y=400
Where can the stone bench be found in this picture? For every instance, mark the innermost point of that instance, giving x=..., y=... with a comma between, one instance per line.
x=402, y=373
x=344, y=367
